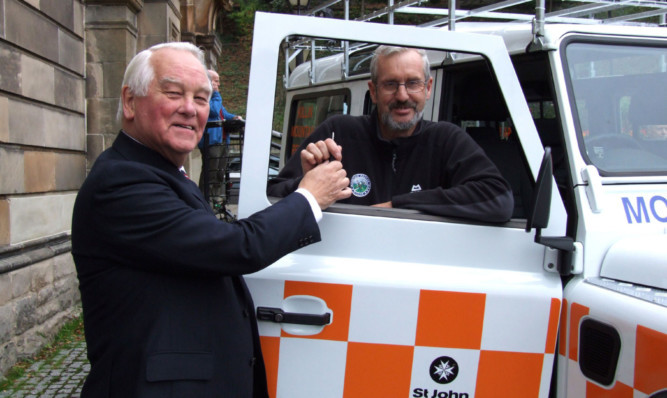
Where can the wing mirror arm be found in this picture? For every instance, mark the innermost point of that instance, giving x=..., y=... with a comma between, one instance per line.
x=538, y=215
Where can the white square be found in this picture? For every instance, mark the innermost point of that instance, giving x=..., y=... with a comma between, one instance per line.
x=576, y=382
x=547, y=369
x=266, y=293
x=517, y=323
x=311, y=368
x=384, y=315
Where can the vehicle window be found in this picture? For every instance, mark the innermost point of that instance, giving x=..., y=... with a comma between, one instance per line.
x=360, y=61
x=542, y=109
x=619, y=94
x=535, y=75
x=474, y=102
x=380, y=170
x=308, y=112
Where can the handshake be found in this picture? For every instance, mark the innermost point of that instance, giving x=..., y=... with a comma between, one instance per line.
x=323, y=173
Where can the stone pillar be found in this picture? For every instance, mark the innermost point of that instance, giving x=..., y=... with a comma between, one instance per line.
x=159, y=22
x=212, y=46
x=111, y=42
x=198, y=20
x=187, y=20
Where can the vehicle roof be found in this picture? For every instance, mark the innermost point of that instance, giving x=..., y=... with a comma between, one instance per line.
x=516, y=35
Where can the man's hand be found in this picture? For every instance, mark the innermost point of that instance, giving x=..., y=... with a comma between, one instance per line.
x=327, y=182
x=320, y=152
x=383, y=204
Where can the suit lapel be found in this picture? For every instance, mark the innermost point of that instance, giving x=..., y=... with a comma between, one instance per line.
x=135, y=151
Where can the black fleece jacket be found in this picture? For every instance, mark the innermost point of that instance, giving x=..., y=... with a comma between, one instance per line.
x=439, y=169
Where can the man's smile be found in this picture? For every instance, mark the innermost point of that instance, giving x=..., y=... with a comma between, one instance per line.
x=184, y=126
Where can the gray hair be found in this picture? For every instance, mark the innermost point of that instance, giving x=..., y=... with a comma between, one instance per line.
x=140, y=72
x=385, y=51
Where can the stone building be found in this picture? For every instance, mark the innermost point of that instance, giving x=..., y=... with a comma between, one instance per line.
x=61, y=67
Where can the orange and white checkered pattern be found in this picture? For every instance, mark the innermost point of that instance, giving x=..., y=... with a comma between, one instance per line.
x=382, y=341
x=642, y=368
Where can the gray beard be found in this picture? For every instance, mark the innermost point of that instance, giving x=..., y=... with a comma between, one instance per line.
x=401, y=126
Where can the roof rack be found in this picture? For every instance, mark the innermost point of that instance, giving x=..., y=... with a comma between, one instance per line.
x=588, y=12
x=572, y=11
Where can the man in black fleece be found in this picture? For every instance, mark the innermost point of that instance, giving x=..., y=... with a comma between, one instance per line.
x=394, y=158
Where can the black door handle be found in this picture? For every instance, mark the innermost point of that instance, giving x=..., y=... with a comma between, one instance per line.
x=277, y=315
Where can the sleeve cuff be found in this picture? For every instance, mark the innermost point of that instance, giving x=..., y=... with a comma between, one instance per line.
x=317, y=212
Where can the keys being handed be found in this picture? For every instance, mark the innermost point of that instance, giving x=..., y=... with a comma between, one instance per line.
x=327, y=182
x=319, y=152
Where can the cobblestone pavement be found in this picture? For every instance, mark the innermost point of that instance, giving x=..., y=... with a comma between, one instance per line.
x=60, y=376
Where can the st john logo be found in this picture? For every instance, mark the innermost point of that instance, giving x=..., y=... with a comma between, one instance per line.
x=444, y=370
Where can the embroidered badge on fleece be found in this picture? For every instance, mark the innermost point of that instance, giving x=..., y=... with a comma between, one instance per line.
x=360, y=184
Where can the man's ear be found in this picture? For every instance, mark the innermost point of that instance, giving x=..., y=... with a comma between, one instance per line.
x=372, y=91
x=429, y=86
x=128, y=98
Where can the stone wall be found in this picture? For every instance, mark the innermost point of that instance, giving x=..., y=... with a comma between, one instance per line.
x=34, y=303
x=42, y=164
x=41, y=117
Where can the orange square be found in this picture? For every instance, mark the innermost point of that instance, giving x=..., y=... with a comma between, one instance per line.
x=650, y=360
x=378, y=370
x=563, y=329
x=554, y=315
x=619, y=390
x=577, y=311
x=338, y=299
x=271, y=353
x=515, y=374
x=450, y=319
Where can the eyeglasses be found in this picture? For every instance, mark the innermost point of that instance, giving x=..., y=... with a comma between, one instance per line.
x=412, y=87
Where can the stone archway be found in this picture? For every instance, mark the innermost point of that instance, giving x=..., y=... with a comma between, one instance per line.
x=198, y=24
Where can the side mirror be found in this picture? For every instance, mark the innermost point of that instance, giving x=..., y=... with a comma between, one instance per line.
x=540, y=206
x=538, y=215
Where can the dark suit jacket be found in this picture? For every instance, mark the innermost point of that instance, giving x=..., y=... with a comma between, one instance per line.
x=166, y=311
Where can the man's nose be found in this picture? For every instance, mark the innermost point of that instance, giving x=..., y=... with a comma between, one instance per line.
x=188, y=106
x=401, y=92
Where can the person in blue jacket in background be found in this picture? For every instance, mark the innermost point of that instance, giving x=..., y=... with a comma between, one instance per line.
x=217, y=152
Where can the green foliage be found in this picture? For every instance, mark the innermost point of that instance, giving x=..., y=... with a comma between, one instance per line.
x=233, y=67
x=236, y=29
x=281, y=6
x=15, y=373
x=239, y=22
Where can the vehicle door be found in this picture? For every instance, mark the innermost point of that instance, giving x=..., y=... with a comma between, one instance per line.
x=394, y=302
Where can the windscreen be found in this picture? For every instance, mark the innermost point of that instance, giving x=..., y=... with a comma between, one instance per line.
x=620, y=98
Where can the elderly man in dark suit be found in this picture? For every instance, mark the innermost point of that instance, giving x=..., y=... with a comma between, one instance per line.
x=165, y=308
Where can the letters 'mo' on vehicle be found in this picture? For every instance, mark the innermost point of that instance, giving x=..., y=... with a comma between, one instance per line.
x=567, y=299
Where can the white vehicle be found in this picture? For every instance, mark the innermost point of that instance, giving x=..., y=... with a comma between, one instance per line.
x=568, y=299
